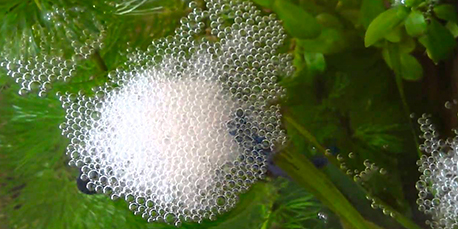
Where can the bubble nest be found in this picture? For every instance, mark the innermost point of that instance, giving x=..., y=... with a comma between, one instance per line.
x=187, y=125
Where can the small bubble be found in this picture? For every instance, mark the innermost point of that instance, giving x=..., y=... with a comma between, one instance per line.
x=392, y=214
x=322, y=216
x=357, y=178
x=340, y=157
x=386, y=211
x=221, y=200
x=448, y=105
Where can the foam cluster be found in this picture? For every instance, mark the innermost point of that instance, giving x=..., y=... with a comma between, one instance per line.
x=63, y=39
x=186, y=126
x=438, y=184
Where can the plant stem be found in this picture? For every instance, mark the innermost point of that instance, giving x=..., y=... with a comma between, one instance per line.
x=291, y=164
x=300, y=169
x=304, y=132
x=396, y=64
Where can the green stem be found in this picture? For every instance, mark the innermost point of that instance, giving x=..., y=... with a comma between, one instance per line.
x=310, y=138
x=300, y=169
x=292, y=168
x=400, y=218
x=396, y=64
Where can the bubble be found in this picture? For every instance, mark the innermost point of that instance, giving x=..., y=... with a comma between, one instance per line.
x=36, y=71
x=340, y=157
x=437, y=190
x=351, y=155
x=179, y=134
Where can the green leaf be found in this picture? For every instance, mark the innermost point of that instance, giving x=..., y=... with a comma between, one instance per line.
x=370, y=9
x=407, y=45
x=297, y=21
x=453, y=28
x=387, y=58
x=352, y=15
x=438, y=41
x=411, y=69
x=412, y=3
x=329, y=41
x=395, y=35
x=329, y=21
x=384, y=23
x=415, y=24
x=264, y=3
x=316, y=63
x=446, y=12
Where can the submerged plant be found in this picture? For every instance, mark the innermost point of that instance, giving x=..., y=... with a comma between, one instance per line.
x=185, y=127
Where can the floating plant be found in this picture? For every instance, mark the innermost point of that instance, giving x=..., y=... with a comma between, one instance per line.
x=186, y=126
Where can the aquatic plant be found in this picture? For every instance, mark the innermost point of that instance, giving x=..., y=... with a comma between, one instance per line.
x=189, y=111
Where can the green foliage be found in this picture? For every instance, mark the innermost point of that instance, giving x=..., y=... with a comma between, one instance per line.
x=438, y=40
x=296, y=21
x=411, y=68
x=370, y=9
x=315, y=62
x=446, y=12
x=416, y=24
x=384, y=24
